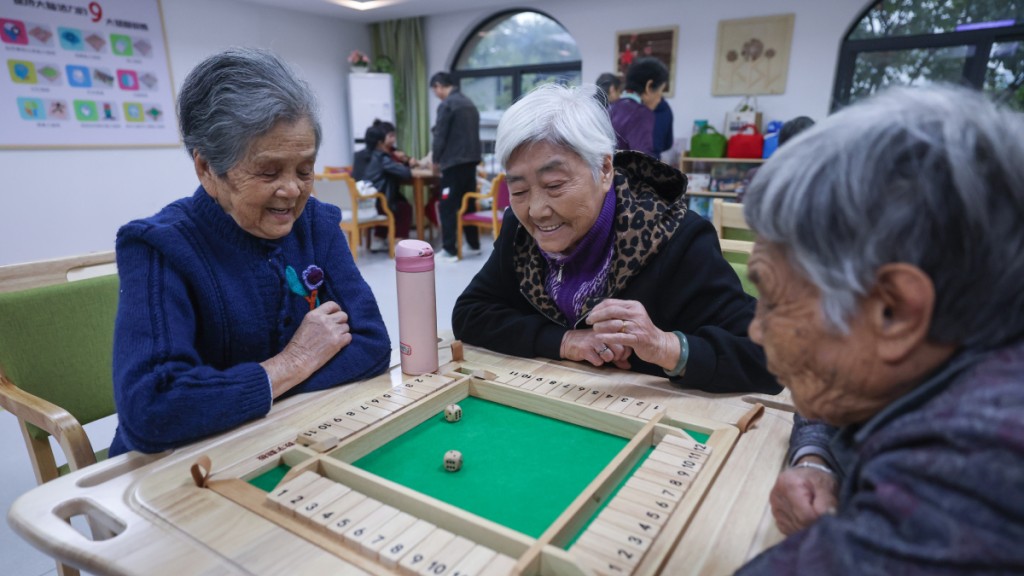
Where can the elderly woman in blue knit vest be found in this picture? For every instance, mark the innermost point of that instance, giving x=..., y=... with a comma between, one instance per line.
x=246, y=290
x=601, y=262
x=888, y=258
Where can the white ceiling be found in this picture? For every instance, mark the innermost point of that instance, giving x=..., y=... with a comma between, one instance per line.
x=379, y=10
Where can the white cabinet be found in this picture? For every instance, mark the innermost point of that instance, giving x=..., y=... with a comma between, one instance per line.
x=369, y=97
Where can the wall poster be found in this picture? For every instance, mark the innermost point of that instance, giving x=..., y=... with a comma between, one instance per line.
x=752, y=56
x=84, y=74
x=659, y=43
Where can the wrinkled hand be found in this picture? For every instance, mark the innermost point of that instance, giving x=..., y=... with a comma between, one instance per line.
x=800, y=496
x=323, y=333
x=586, y=345
x=626, y=323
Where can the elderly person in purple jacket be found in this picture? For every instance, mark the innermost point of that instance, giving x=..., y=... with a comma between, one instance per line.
x=889, y=264
x=633, y=113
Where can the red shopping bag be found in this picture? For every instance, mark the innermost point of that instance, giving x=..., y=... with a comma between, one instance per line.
x=745, y=145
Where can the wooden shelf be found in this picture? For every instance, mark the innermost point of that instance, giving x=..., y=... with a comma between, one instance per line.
x=722, y=160
x=707, y=194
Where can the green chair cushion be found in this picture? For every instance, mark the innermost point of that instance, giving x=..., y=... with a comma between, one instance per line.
x=738, y=234
x=741, y=271
x=56, y=342
x=100, y=457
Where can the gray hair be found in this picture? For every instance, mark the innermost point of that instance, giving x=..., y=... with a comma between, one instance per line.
x=235, y=96
x=932, y=177
x=561, y=115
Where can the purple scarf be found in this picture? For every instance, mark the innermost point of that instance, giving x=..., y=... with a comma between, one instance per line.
x=580, y=274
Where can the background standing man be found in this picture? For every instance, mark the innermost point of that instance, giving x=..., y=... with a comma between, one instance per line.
x=456, y=151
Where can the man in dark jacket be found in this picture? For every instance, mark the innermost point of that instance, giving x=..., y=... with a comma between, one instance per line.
x=456, y=151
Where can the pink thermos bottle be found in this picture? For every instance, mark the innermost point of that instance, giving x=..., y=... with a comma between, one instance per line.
x=417, y=306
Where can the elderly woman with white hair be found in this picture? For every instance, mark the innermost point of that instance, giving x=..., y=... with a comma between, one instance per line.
x=246, y=290
x=889, y=265
x=600, y=261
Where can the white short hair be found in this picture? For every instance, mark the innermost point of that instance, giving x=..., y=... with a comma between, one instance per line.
x=570, y=117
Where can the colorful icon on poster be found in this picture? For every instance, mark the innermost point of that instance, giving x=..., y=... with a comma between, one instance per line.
x=96, y=42
x=121, y=45
x=22, y=71
x=31, y=109
x=154, y=113
x=71, y=39
x=86, y=111
x=103, y=76
x=143, y=47
x=107, y=111
x=79, y=76
x=127, y=80
x=13, y=31
x=133, y=112
x=50, y=73
x=41, y=34
x=57, y=110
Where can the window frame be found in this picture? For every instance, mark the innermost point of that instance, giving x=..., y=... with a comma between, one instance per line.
x=516, y=72
x=975, y=65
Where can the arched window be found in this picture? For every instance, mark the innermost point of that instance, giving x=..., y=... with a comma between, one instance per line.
x=509, y=54
x=979, y=43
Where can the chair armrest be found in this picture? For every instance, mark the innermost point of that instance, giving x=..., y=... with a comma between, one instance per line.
x=55, y=420
x=466, y=198
x=383, y=203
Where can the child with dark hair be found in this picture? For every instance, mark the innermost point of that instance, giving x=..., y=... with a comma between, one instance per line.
x=387, y=176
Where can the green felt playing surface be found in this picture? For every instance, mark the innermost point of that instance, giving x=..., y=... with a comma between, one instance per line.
x=269, y=479
x=519, y=469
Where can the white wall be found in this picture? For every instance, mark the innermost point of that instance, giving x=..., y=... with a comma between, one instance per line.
x=818, y=31
x=63, y=202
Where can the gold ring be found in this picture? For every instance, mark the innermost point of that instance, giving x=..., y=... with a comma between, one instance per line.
x=623, y=328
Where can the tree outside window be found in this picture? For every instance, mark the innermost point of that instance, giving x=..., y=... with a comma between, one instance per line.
x=979, y=43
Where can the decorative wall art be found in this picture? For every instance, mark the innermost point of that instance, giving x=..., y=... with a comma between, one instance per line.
x=657, y=42
x=753, y=55
x=82, y=74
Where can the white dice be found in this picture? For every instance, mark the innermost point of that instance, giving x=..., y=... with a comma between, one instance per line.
x=452, y=460
x=453, y=413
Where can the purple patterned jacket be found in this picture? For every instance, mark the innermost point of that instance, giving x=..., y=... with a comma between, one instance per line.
x=933, y=484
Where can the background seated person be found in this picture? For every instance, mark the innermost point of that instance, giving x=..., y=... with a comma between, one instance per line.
x=609, y=88
x=633, y=113
x=600, y=261
x=387, y=176
x=892, y=306
x=391, y=144
x=246, y=290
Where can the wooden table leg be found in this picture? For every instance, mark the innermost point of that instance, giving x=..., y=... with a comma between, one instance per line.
x=417, y=200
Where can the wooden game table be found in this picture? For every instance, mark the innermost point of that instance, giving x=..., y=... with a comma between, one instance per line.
x=557, y=458
x=421, y=178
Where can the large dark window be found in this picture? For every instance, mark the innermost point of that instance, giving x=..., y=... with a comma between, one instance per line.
x=508, y=55
x=979, y=43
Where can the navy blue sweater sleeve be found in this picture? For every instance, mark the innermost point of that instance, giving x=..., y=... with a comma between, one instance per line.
x=166, y=395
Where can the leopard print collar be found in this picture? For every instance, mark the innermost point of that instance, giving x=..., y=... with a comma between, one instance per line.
x=649, y=208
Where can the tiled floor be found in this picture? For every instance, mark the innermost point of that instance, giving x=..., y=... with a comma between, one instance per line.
x=21, y=559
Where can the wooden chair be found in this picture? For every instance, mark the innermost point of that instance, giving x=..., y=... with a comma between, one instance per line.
x=358, y=213
x=735, y=237
x=484, y=219
x=56, y=345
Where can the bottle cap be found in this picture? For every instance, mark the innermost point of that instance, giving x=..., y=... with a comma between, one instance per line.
x=414, y=256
